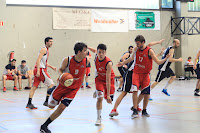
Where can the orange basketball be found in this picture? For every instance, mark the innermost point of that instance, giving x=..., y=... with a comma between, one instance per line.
x=66, y=79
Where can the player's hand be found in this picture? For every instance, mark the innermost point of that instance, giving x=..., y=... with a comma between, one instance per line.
x=38, y=74
x=109, y=100
x=162, y=40
x=167, y=56
x=180, y=59
x=125, y=66
x=119, y=64
x=195, y=67
x=54, y=68
x=162, y=50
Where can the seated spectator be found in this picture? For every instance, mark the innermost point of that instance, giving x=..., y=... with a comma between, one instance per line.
x=10, y=74
x=23, y=73
x=189, y=65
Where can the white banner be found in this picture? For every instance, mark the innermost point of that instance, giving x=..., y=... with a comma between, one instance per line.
x=144, y=20
x=109, y=21
x=71, y=18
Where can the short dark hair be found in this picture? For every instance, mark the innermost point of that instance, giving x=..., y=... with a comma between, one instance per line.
x=140, y=38
x=102, y=47
x=47, y=39
x=79, y=47
x=189, y=58
x=13, y=60
x=23, y=61
x=130, y=47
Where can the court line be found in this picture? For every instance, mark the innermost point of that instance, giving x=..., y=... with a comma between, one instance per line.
x=7, y=100
x=3, y=128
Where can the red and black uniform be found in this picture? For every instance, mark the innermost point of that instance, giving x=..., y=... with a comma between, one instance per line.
x=141, y=71
x=67, y=94
x=100, y=80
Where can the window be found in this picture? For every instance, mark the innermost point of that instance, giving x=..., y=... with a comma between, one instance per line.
x=167, y=3
x=194, y=6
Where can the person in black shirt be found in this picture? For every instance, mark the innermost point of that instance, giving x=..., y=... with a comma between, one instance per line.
x=9, y=74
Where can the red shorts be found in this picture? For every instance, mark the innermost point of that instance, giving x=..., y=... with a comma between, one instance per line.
x=87, y=71
x=101, y=88
x=44, y=77
x=9, y=77
x=141, y=80
x=63, y=94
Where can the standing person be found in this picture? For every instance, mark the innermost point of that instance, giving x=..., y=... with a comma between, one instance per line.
x=164, y=70
x=40, y=72
x=143, y=57
x=87, y=73
x=123, y=68
x=22, y=72
x=76, y=66
x=9, y=73
x=197, y=70
x=127, y=78
x=104, y=79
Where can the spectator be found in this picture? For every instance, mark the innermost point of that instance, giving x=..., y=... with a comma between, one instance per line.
x=189, y=65
x=23, y=74
x=9, y=74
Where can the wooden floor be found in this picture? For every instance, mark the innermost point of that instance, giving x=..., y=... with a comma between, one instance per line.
x=179, y=113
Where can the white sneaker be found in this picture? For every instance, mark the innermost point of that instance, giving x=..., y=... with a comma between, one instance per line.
x=98, y=122
x=94, y=94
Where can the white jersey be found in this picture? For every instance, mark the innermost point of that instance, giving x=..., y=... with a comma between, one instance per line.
x=43, y=61
x=67, y=68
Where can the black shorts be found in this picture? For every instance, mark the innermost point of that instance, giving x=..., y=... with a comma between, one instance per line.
x=164, y=74
x=127, y=81
x=198, y=72
x=122, y=70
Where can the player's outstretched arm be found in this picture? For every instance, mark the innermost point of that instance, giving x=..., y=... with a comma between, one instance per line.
x=92, y=49
x=196, y=59
x=156, y=42
x=54, y=68
x=171, y=59
x=155, y=58
x=108, y=81
x=161, y=52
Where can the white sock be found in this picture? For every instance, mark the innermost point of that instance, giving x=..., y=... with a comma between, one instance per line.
x=98, y=114
x=166, y=85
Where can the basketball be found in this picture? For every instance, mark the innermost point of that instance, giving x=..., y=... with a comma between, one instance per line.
x=66, y=79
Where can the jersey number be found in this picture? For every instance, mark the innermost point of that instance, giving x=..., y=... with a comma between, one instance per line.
x=76, y=71
x=140, y=59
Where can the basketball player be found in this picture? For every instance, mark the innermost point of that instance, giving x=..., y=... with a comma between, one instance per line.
x=143, y=57
x=76, y=66
x=123, y=68
x=40, y=72
x=197, y=70
x=104, y=79
x=128, y=82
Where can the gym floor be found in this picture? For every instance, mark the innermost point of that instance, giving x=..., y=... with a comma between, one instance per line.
x=178, y=113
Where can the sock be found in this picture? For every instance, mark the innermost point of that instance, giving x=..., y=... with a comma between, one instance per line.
x=47, y=97
x=98, y=114
x=166, y=86
x=86, y=83
x=29, y=100
x=82, y=84
x=4, y=87
x=48, y=121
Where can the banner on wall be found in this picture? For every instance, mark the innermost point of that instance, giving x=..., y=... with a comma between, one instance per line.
x=71, y=18
x=109, y=21
x=144, y=20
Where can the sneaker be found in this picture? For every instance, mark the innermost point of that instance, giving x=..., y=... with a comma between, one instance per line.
x=27, y=88
x=135, y=113
x=88, y=87
x=119, y=90
x=94, y=94
x=45, y=103
x=4, y=89
x=165, y=92
x=113, y=113
x=31, y=106
x=144, y=113
x=98, y=122
x=15, y=89
x=138, y=109
x=44, y=129
x=150, y=99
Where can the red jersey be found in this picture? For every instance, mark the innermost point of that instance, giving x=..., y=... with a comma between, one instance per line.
x=100, y=71
x=77, y=70
x=143, y=62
